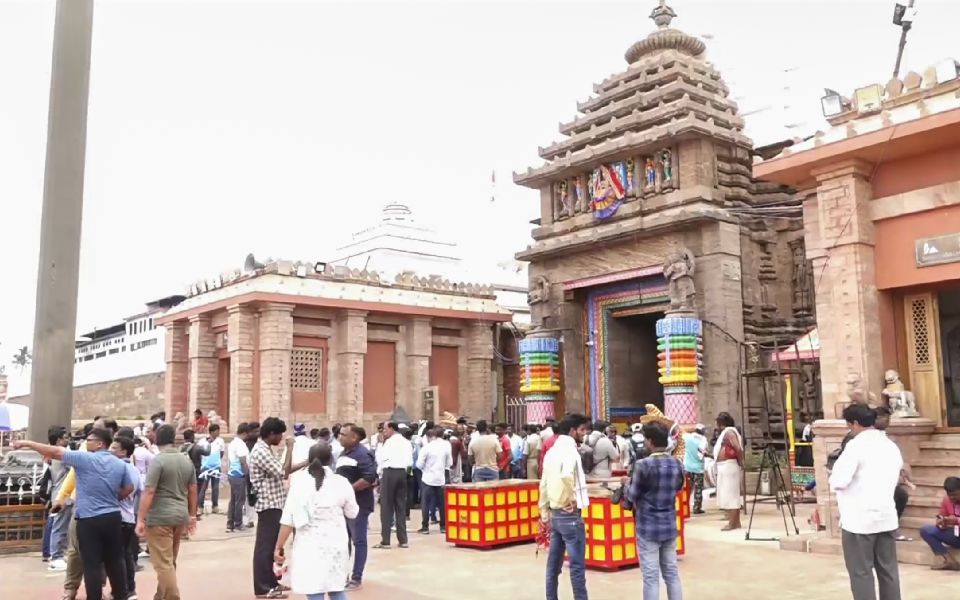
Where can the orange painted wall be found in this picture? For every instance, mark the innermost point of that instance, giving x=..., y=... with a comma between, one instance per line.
x=895, y=255
x=916, y=172
x=888, y=330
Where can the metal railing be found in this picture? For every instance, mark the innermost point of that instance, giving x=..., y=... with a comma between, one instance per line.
x=23, y=513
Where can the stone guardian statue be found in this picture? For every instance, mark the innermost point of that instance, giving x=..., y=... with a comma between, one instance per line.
x=678, y=269
x=898, y=398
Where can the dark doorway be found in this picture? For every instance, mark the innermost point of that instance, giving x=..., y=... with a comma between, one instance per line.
x=632, y=361
x=949, y=309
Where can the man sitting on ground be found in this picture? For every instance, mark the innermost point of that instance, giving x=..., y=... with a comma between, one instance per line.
x=946, y=531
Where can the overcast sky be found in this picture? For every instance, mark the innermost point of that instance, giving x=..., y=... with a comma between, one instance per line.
x=218, y=128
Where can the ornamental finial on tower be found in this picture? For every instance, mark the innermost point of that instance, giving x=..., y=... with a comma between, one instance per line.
x=662, y=15
x=664, y=37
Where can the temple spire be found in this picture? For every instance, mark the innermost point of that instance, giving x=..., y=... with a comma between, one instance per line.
x=662, y=15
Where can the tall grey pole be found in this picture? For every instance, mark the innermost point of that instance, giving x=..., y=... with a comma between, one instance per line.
x=51, y=382
x=904, y=28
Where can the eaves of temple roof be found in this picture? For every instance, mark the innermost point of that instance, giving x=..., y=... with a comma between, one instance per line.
x=671, y=100
x=692, y=124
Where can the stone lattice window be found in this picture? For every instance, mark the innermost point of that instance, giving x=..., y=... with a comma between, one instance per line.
x=306, y=369
x=921, y=331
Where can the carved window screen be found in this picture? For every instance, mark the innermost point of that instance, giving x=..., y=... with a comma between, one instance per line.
x=306, y=369
x=920, y=330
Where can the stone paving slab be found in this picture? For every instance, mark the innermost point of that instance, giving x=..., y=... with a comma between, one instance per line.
x=718, y=564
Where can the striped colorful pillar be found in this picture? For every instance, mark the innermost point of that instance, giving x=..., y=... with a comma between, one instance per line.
x=679, y=360
x=540, y=368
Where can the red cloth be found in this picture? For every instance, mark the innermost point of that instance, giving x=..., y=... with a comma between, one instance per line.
x=727, y=451
x=948, y=508
x=456, y=448
x=201, y=424
x=547, y=444
x=503, y=463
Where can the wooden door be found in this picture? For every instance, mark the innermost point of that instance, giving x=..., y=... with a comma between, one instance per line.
x=923, y=354
x=223, y=387
x=380, y=377
x=445, y=374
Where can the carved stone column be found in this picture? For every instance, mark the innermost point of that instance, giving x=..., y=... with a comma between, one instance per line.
x=203, y=365
x=479, y=400
x=351, y=348
x=679, y=341
x=276, y=342
x=419, y=345
x=177, y=356
x=839, y=237
x=241, y=335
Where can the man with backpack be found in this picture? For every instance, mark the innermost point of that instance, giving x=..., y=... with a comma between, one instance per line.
x=602, y=453
x=638, y=450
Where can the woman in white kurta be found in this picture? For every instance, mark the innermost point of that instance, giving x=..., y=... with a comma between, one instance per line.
x=317, y=503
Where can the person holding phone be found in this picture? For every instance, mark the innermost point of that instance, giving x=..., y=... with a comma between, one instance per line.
x=946, y=531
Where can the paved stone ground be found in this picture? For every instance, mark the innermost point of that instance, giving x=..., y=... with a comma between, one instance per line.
x=717, y=565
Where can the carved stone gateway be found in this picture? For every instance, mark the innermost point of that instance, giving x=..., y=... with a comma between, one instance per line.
x=654, y=170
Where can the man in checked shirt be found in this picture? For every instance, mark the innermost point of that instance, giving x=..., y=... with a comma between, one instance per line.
x=267, y=473
x=652, y=492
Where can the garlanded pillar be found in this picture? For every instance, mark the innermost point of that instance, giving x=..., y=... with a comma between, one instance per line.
x=680, y=342
x=540, y=367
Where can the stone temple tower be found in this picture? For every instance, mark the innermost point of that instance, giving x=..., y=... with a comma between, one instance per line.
x=648, y=209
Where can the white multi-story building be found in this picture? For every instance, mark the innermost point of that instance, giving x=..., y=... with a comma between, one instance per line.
x=117, y=369
x=134, y=347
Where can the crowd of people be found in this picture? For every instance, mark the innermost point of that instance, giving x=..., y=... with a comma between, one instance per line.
x=108, y=495
x=123, y=487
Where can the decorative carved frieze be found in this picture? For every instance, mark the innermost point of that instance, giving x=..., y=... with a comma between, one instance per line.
x=604, y=189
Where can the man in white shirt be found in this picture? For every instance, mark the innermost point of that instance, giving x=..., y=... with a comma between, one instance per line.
x=864, y=479
x=547, y=432
x=517, y=443
x=394, y=457
x=336, y=449
x=433, y=461
x=301, y=444
x=563, y=494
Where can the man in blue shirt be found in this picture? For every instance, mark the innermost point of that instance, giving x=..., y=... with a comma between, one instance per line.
x=102, y=481
x=652, y=493
x=356, y=463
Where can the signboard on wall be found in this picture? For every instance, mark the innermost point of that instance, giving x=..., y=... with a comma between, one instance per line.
x=938, y=250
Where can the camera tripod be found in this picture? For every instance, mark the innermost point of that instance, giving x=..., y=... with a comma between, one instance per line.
x=783, y=496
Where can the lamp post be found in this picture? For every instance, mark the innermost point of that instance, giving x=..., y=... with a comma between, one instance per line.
x=903, y=16
x=51, y=381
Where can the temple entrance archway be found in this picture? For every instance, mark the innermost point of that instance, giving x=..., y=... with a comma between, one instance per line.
x=632, y=363
x=619, y=321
